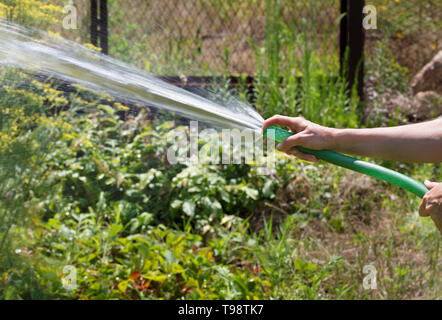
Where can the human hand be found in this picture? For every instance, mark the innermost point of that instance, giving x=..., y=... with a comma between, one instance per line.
x=306, y=134
x=432, y=203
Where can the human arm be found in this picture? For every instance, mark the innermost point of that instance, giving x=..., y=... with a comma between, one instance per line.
x=420, y=142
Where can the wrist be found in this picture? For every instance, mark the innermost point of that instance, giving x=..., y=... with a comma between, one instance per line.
x=332, y=140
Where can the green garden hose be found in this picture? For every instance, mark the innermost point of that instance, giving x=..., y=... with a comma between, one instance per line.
x=364, y=167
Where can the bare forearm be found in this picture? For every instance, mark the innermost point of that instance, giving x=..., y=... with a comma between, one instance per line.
x=420, y=142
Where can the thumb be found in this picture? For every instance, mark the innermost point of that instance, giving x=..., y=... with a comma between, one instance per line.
x=430, y=184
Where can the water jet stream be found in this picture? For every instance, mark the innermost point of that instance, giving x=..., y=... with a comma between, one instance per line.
x=37, y=52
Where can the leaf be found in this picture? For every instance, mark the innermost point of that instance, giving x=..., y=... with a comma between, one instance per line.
x=311, y=267
x=298, y=264
x=147, y=65
x=91, y=256
x=146, y=285
x=168, y=255
x=224, y=195
x=227, y=218
x=111, y=120
x=109, y=110
x=145, y=218
x=206, y=228
x=194, y=190
x=54, y=223
x=211, y=204
x=135, y=275
x=114, y=229
x=147, y=178
x=176, y=204
x=267, y=189
x=133, y=224
x=158, y=278
x=123, y=285
x=189, y=207
x=251, y=193
x=176, y=268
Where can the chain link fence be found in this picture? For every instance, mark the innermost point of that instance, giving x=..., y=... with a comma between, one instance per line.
x=209, y=36
x=217, y=36
x=194, y=37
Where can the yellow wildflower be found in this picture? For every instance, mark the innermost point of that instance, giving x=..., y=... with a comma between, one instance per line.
x=55, y=34
x=91, y=46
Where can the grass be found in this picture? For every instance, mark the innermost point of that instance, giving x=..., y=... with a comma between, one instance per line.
x=86, y=189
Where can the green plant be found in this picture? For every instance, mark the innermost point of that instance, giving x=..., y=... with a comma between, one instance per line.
x=297, y=76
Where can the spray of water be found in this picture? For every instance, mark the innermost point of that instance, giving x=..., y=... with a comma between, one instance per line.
x=38, y=52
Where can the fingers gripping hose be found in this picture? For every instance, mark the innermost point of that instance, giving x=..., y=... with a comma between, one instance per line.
x=370, y=169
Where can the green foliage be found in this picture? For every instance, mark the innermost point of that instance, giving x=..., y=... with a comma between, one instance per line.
x=179, y=53
x=388, y=74
x=97, y=194
x=297, y=76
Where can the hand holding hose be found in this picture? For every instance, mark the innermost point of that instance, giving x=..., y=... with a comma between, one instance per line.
x=419, y=142
x=432, y=203
x=307, y=134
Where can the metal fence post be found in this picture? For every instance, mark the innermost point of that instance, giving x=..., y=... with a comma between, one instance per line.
x=356, y=37
x=353, y=37
x=94, y=22
x=103, y=26
x=343, y=37
x=99, y=24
